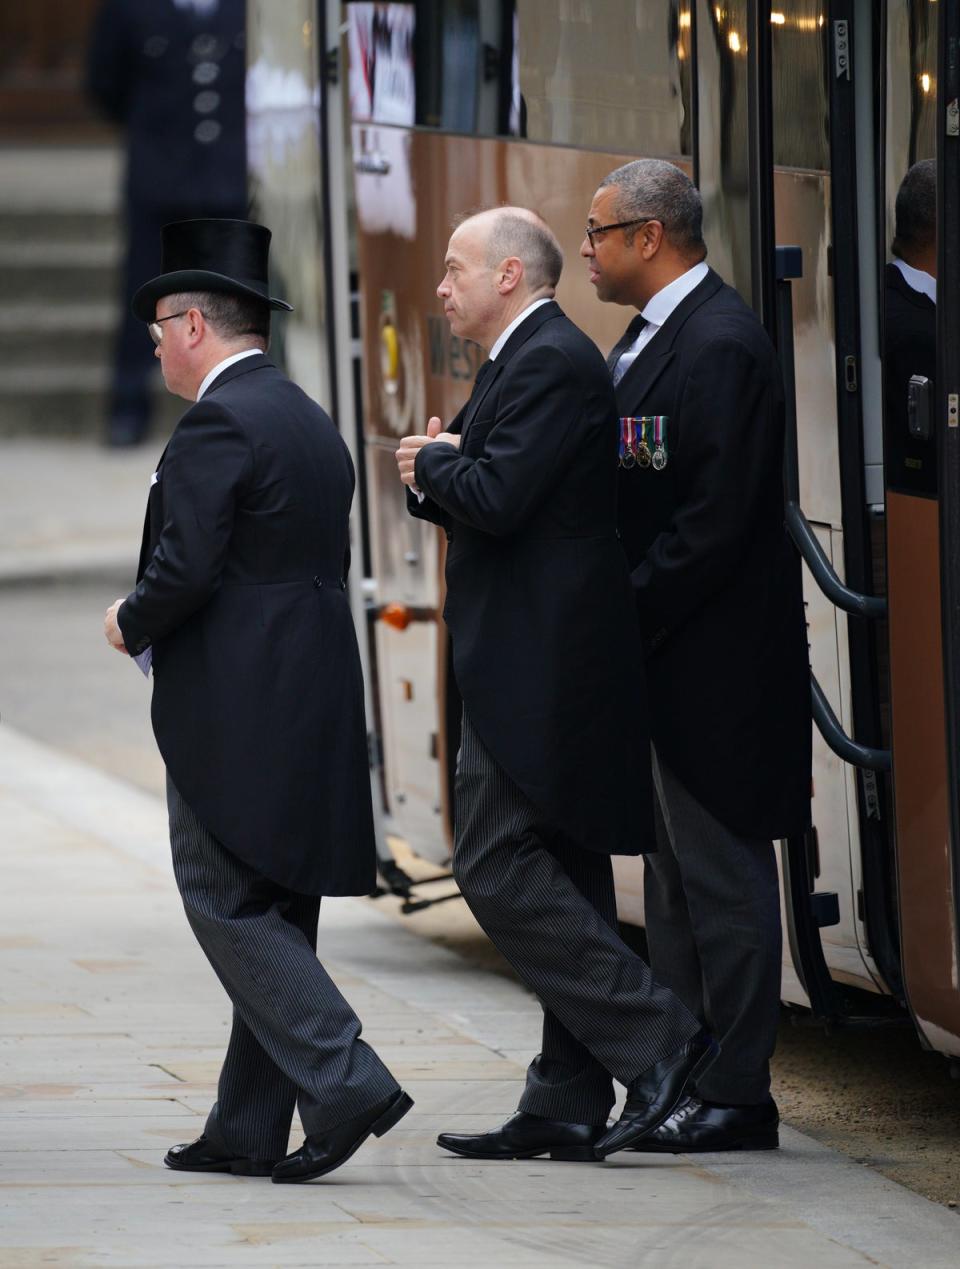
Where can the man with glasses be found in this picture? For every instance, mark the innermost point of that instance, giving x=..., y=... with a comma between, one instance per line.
x=553, y=774
x=257, y=708
x=717, y=586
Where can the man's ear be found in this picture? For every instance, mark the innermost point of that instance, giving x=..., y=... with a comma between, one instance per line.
x=510, y=274
x=195, y=325
x=650, y=239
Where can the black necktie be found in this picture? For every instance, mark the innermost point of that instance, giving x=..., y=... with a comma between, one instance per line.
x=625, y=340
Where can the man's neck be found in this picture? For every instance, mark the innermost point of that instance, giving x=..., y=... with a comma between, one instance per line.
x=223, y=354
x=670, y=271
x=925, y=261
x=515, y=311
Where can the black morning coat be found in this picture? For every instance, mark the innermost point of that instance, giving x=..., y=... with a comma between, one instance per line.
x=545, y=639
x=716, y=579
x=258, y=694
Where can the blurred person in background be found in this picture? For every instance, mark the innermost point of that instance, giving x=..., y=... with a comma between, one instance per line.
x=171, y=73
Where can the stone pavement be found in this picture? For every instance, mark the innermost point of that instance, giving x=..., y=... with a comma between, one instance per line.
x=71, y=506
x=111, y=1032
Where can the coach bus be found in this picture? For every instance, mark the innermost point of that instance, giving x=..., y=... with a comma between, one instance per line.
x=372, y=125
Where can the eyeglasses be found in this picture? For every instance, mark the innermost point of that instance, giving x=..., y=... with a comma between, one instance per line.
x=591, y=231
x=156, y=330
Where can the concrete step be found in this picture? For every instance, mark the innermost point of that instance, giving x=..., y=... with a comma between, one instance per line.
x=40, y=334
x=67, y=400
x=26, y=225
x=71, y=273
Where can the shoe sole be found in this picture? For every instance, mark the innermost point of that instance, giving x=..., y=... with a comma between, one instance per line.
x=237, y=1167
x=559, y=1154
x=390, y=1117
x=698, y=1067
x=764, y=1142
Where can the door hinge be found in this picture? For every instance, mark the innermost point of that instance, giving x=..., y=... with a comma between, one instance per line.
x=331, y=66
x=841, y=49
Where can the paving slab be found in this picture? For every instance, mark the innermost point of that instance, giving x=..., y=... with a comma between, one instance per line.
x=111, y=1030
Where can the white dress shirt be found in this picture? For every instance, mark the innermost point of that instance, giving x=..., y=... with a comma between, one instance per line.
x=505, y=334
x=222, y=365
x=656, y=311
x=917, y=279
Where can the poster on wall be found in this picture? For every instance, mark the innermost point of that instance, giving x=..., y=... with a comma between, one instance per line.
x=380, y=40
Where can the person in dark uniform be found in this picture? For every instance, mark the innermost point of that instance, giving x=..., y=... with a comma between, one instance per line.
x=910, y=329
x=240, y=604
x=718, y=595
x=553, y=774
x=172, y=74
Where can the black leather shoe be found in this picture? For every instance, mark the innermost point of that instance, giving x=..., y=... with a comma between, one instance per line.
x=653, y=1096
x=526, y=1136
x=200, y=1156
x=323, y=1151
x=695, y=1127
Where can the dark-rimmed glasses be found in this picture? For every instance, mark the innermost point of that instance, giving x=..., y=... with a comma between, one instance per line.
x=156, y=330
x=592, y=230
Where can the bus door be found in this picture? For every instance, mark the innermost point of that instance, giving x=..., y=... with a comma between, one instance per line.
x=815, y=110
x=921, y=346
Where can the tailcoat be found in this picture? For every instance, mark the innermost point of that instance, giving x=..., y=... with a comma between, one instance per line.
x=716, y=579
x=258, y=696
x=545, y=638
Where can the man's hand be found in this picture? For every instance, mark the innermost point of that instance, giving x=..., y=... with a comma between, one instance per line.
x=112, y=630
x=410, y=446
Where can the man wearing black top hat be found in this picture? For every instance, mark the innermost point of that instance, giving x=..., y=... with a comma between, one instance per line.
x=241, y=607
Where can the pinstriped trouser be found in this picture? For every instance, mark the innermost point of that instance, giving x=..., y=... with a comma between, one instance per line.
x=295, y=1040
x=550, y=908
x=712, y=902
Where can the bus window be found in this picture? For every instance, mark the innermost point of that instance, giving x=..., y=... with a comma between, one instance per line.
x=530, y=70
x=642, y=101
x=723, y=153
x=799, y=85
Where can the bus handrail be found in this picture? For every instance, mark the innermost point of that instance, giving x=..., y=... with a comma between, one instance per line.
x=829, y=727
x=824, y=574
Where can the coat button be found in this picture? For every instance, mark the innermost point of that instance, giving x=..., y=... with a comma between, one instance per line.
x=317, y=583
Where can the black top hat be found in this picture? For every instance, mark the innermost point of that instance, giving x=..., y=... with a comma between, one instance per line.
x=228, y=256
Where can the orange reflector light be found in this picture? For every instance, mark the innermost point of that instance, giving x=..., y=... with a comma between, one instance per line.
x=396, y=615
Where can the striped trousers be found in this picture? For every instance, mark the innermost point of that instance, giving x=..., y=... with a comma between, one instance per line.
x=712, y=905
x=295, y=1041
x=549, y=907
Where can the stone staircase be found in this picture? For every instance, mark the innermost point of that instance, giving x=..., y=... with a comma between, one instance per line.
x=61, y=241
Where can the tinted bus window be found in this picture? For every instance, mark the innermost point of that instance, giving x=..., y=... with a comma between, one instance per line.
x=529, y=69
x=640, y=104
x=799, y=35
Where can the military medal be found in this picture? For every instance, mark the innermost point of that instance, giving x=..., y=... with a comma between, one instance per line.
x=628, y=456
x=659, y=459
x=643, y=449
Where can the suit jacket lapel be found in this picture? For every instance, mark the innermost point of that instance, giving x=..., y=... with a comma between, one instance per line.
x=657, y=355
x=519, y=337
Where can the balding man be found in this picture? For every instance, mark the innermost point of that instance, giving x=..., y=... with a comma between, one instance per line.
x=717, y=585
x=553, y=775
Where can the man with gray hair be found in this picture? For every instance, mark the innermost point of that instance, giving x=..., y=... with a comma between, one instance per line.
x=553, y=775
x=718, y=596
x=257, y=707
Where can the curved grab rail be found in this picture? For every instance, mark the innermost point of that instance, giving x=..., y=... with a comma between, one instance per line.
x=824, y=575
x=829, y=727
